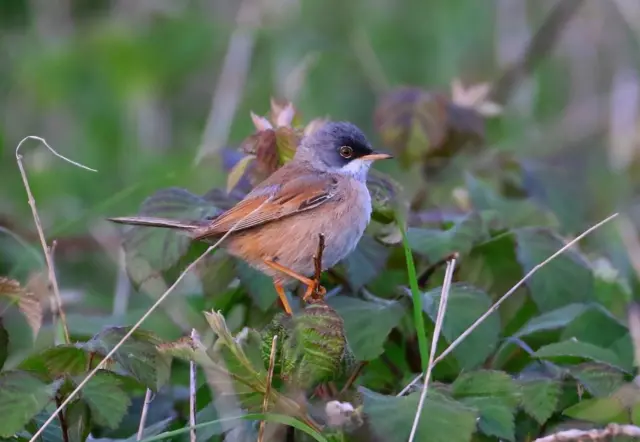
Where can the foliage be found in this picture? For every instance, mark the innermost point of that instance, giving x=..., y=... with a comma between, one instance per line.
x=468, y=181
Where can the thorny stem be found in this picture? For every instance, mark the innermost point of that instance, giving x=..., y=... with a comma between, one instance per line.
x=192, y=392
x=354, y=375
x=63, y=422
x=267, y=393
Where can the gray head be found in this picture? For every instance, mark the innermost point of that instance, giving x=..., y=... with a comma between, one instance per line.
x=339, y=147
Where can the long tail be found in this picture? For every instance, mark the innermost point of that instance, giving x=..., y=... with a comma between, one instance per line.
x=151, y=221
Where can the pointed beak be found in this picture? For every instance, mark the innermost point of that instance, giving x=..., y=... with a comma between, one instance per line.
x=376, y=156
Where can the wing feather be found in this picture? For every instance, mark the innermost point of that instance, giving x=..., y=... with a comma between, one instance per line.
x=269, y=203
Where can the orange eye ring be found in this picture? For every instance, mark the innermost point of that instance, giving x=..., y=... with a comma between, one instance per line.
x=346, y=152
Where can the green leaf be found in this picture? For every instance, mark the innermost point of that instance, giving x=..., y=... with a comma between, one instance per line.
x=436, y=244
x=65, y=359
x=572, y=349
x=596, y=326
x=553, y=320
x=366, y=262
x=22, y=396
x=138, y=355
x=598, y=379
x=78, y=421
x=539, y=398
x=565, y=280
x=465, y=305
x=367, y=324
x=486, y=383
x=259, y=285
x=496, y=418
x=4, y=344
x=106, y=399
x=598, y=410
x=441, y=420
x=53, y=431
x=512, y=213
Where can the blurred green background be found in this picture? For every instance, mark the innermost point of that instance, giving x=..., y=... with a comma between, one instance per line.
x=150, y=92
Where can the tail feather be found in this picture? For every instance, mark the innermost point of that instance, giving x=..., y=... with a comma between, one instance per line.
x=151, y=221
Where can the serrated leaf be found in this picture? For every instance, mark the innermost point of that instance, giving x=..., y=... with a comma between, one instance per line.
x=565, y=280
x=442, y=419
x=366, y=262
x=496, y=384
x=539, y=398
x=65, y=359
x=22, y=396
x=106, y=399
x=138, y=355
x=436, y=244
x=496, y=418
x=29, y=305
x=465, y=305
x=573, y=349
x=552, y=320
x=598, y=379
x=367, y=324
x=258, y=285
x=237, y=172
x=597, y=410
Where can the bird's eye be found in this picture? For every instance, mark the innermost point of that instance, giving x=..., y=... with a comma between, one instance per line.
x=346, y=152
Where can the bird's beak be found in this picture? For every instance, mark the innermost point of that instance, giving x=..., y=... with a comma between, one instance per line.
x=376, y=156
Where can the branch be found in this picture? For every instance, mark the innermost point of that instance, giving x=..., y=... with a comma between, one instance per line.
x=47, y=251
x=143, y=415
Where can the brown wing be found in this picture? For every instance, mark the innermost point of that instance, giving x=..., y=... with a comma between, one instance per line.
x=272, y=202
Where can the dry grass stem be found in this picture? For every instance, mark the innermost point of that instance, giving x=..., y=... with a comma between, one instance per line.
x=143, y=415
x=495, y=306
x=442, y=307
x=139, y=323
x=231, y=80
x=607, y=433
x=267, y=392
x=192, y=392
x=45, y=248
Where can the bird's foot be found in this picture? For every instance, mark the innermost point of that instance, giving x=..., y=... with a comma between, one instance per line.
x=314, y=293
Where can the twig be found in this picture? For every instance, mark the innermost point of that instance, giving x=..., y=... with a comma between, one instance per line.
x=354, y=375
x=495, y=306
x=610, y=430
x=63, y=423
x=192, y=392
x=317, y=258
x=442, y=307
x=140, y=321
x=231, y=80
x=267, y=392
x=143, y=415
x=36, y=218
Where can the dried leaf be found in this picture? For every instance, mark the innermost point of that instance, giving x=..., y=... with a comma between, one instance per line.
x=261, y=123
x=236, y=174
x=314, y=125
x=412, y=121
x=28, y=304
x=282, y=115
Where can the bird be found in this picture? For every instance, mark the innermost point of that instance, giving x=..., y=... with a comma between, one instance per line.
x=322, y=190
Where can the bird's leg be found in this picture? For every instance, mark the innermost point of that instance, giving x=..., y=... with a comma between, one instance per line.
x=283, y=297
x=287, y=271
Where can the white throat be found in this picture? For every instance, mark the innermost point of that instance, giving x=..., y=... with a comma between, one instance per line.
x=357, y=169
